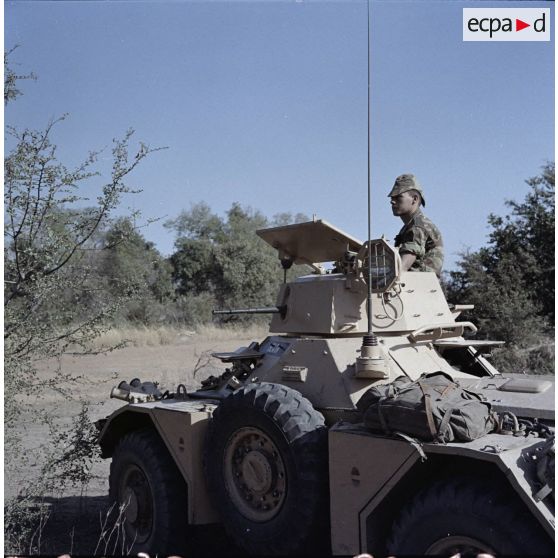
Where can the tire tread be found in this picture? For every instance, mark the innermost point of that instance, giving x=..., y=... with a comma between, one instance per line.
x=303, y=429
x=171, y=492
x=487, y=501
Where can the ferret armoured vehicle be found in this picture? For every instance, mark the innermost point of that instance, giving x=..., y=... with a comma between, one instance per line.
x=274, y=448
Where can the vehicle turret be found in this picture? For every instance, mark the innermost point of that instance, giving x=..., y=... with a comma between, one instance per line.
x=332, y=301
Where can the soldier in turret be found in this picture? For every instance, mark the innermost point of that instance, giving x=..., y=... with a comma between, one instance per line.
x=419, y=241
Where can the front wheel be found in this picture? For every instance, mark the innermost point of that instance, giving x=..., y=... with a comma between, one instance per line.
x=266, y=466
x=150, y=496
x=468, y=517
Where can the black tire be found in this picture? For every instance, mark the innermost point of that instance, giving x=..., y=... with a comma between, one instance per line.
x=147, y=487
x=266, y=467
x=466, y=516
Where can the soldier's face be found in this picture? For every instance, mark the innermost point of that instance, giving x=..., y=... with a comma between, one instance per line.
x=404, y=204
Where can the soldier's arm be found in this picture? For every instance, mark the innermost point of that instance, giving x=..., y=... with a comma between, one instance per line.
x=407, y=260
x=413, y=245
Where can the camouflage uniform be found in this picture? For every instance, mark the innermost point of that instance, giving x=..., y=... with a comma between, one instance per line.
x=419, y=236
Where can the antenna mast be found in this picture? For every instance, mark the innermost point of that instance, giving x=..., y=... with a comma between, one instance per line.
x=371, y=362
x=369, y=298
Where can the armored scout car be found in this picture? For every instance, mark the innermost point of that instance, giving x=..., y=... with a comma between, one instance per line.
x=274, y=448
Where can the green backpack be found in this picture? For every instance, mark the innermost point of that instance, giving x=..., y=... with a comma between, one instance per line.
x=432, y=408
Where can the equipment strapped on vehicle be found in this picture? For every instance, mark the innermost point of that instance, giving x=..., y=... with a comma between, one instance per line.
x=432, y=408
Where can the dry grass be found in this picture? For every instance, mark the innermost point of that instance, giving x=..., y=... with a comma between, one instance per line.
x=155, y=336
x=225, y=333
x=141, y=336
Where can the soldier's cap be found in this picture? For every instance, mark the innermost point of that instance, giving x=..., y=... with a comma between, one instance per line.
x=404, y=183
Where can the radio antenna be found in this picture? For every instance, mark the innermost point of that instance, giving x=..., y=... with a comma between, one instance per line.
x=371, y=362
x=369, y=297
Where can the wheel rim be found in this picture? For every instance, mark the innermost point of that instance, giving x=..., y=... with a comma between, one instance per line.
x=458, y=544
x=136, y=505
x=255, y=475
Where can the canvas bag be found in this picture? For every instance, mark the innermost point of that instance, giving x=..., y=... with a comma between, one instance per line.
x=432, y=408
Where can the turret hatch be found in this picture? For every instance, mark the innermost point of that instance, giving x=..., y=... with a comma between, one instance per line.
x=312, y=242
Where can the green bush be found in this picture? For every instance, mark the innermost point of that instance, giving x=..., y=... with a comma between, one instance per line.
x=511, y=281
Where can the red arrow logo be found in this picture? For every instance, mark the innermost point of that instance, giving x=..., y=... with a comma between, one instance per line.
x=519, y=25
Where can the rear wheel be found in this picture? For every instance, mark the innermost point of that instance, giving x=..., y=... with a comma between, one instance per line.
x=150, y=496
x=465, y=516
x=266, y=465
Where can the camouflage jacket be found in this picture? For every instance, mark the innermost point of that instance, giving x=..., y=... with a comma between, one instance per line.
x=421, y=237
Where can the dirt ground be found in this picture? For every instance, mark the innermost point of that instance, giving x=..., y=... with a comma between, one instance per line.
x=74, y=525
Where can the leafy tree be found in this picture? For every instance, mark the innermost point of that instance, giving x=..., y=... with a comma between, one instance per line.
x=504, y=307
x=198, y=223
x=133, y=268
x=49, y=270
x=526, y=236
x=47, y=250
x=47, y=240
x=195, y=267
x=286, y=218
x=249, y=268
x=511, y=281
x=11, y=90
x=224, y=258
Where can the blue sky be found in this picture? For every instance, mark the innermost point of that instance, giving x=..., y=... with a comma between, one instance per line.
x=265, y=103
